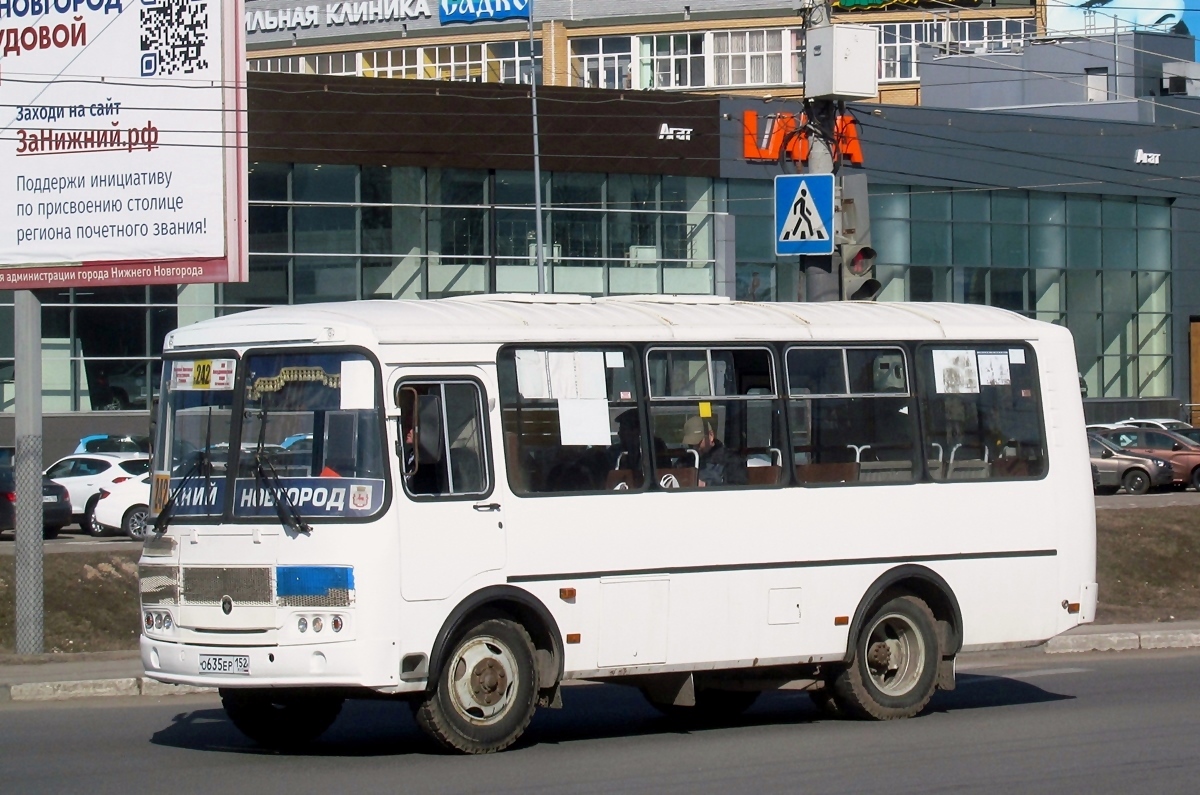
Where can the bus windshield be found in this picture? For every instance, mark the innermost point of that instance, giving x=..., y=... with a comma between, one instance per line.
x=310, y=425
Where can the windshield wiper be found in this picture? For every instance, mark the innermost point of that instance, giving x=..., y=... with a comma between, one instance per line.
x=202, y=460
x=265, y=475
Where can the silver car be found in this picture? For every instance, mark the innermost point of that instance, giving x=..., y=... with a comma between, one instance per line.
x=1117, y=468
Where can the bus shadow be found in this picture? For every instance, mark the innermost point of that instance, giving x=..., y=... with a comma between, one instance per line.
x=596, y=712
x=980, y=691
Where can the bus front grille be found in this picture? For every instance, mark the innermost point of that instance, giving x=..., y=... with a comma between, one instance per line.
x=244, y=585
x=158, y=585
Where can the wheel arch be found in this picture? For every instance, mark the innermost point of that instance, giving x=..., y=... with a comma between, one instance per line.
x=919, y=581
x=518, y=605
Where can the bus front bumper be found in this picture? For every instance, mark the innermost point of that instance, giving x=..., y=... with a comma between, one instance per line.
x=308, y=665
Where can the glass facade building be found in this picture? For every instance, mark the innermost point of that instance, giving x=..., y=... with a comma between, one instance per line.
x=328, y=233
x=1099, y=264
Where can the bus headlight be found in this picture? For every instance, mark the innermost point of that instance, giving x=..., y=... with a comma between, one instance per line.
x=302, y=624
x=159, y=620
x=318, y=624
x=336, y=623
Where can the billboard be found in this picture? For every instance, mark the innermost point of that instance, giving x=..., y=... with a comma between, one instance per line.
x=124, y=154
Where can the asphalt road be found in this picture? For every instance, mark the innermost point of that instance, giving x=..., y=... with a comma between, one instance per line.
x=1019, y=722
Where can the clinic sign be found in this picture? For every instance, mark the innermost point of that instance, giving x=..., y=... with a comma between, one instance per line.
x=314, y=16
x=123, y=153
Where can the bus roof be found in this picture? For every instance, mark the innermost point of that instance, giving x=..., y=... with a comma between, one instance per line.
x=501, y=318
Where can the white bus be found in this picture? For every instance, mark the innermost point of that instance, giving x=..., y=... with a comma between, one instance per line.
x=465, y=502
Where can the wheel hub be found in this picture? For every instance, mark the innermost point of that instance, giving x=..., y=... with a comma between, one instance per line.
x=488, y=682
x=879, y=657
x=482, y=680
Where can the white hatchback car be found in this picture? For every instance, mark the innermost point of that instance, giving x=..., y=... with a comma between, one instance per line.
x=125, y=507
x=85, y=474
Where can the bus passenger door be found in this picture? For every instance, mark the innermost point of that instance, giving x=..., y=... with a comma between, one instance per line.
x=451, y=522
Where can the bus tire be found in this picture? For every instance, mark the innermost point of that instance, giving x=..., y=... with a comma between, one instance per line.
x=712, y=707
x=486, y=691
x=280, y=718
x=893, y=670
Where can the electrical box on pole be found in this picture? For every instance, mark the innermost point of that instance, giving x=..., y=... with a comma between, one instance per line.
x=841, y=62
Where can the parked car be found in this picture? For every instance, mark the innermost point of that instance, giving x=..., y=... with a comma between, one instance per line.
x=1191, y=434
x=114, y=443
x=1183, y=454
x=1117, y=468
x=56, y=504
x=125, y=507
x=85, y=475
x=1096, y=427
x=1161, y=424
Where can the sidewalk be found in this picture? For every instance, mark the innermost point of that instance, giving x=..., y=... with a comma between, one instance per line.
x=58, y=677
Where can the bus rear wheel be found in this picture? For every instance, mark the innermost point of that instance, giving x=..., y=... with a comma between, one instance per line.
x=280, y=718
x=486, y=691
x=893, y=671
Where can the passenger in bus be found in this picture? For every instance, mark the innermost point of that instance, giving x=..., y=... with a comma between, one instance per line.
x=627, y=452
x=718, y=465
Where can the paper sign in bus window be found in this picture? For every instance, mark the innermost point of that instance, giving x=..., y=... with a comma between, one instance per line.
x=532, y=381
x=577, y=375
x=357, y=385
x=955, y=372
x=584, y=422
x=994, y=369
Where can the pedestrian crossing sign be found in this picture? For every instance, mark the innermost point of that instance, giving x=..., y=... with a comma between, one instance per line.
x=804, y=214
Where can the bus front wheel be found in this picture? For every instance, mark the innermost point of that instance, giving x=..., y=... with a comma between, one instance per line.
x=486, y=691
x=893, y=671
x=280, y=718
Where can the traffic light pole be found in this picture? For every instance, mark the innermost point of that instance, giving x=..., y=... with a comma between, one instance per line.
x=821, y=278
x=821, y=282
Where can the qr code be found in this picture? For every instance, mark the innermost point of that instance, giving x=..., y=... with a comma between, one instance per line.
x=174, y=35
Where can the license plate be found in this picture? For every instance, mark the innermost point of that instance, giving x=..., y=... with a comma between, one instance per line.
x=49, y=498
x=225, y=664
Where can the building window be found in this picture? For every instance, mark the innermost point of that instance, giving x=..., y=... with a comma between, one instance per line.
x=601, y=62
x=672, y=61
x=509, y=62
x=749, y=57
x=899, y=41
x=496, y=62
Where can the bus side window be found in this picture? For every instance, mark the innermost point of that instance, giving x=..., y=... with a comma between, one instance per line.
x=981, y=412
x=850, y=409
x=571, y=420
x=717, y=412
x=441, y=444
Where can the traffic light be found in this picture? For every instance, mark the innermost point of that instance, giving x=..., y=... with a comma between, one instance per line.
x=855, y=259
x=858, y=272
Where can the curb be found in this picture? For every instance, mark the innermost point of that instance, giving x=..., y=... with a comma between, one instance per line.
x=96, y=688
x=1125, y=641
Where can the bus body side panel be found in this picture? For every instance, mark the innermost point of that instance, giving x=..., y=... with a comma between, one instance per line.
x=1072, y=505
